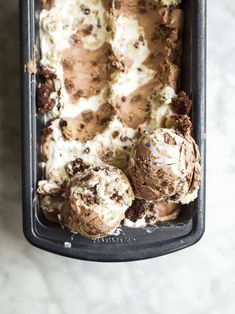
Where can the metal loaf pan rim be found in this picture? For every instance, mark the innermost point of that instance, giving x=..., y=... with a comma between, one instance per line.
x=133, y=244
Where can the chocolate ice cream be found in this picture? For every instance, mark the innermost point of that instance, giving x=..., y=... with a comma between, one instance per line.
x=97, y=199
x=149, y=213
x=164, y=166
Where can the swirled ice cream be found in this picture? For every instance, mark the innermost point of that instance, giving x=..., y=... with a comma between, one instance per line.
x=109, y=73
x=97, y=199
x=164, y=166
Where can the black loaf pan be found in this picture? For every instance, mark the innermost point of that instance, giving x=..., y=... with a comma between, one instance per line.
x=130, y=244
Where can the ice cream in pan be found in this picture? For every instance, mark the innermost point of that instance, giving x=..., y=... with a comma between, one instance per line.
x=116, y=148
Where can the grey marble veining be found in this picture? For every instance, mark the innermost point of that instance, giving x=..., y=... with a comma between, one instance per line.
x=198, y=280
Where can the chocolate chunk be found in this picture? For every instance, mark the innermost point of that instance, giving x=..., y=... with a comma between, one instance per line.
x=96, y=169
x=170, y=188
x=137, y=210
x=182, y=104
x=136, y=45
x=116, y=197
x=45, y=89
x=109, y=52
x=78, y=165
x=68, y=129
x=117, y=5
x=44, y=101
x=181, y=123
x=63, y=123
x=68, y=84
x=104, y=120
x=86, y=11
x=87, y=30
x=47, y=74
x=124, y=138
x=74, y=40
x=115, y=134
x=164, y=183
x=108, y=28
x=142, y=6
x=79, y=93
x=175, y=197
x=87, y=177
x=87, y=150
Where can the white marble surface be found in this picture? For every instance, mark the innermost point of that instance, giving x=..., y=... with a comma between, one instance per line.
x=198, y=280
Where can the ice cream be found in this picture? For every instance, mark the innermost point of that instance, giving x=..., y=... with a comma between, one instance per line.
x=143, y=213
x=170, y=2
x=94, y=60
x=112, y=146
x=97, y=199
x=158, y=44
x=164, y=166
x=109, y=73
x=51, y=198
x=51, y=207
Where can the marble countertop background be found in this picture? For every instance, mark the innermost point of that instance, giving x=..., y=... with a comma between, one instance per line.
x=198, y=280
